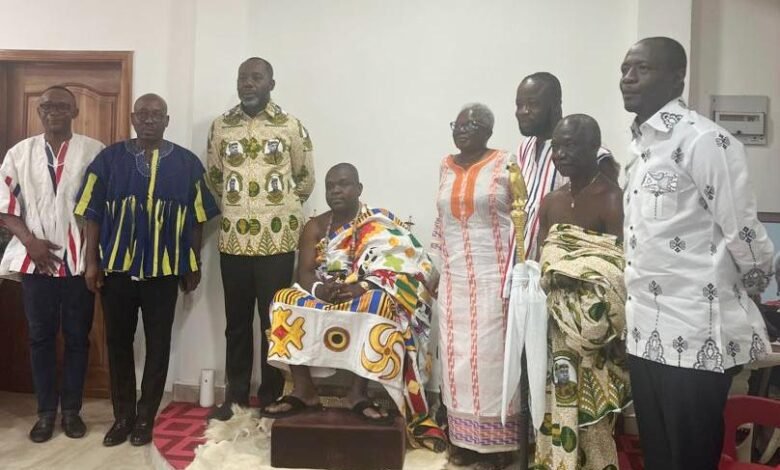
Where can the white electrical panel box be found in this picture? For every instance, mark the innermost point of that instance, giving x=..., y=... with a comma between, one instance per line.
x=744, y=116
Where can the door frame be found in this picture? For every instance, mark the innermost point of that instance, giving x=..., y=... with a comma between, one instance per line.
x=123, y=58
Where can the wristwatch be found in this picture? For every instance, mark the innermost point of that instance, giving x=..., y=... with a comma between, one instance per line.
x=365, y=285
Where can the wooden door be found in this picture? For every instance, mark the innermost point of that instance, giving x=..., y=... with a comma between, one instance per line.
x=101, y=82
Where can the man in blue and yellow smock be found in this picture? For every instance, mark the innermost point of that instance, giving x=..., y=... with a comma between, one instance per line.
x=145, y=201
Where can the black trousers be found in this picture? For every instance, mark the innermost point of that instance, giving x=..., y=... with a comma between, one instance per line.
x=251, y=281
x=122, y=297
x=51, y=303
x=680, y=414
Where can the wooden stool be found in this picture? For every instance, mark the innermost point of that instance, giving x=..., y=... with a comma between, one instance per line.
x=337, y=439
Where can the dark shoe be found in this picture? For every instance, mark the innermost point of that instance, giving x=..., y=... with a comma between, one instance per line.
x=495, y=461
x=462, y=457
x=73, y=426
x=296, y=406
x=221, y=413
x=118, y=432
x=487, y=463
x=43, y=429
x=142, y=432
x=363, y=405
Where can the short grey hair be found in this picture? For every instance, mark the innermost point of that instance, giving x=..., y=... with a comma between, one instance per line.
x=480, y=113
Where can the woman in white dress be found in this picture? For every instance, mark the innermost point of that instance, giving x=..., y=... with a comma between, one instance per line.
x=471, y=244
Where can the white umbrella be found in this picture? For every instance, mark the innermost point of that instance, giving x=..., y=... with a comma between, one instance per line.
x=526, y=328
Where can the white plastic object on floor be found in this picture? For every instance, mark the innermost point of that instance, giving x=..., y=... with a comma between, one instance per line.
x=206, y=388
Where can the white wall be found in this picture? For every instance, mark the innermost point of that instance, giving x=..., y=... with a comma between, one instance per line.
x=375, y=82
x=671, y=18
x=734, y=45
x=220, y=44
x=378, y=82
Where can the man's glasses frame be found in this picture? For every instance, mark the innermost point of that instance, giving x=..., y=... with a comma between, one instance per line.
x=50, y=108
x=155, y=116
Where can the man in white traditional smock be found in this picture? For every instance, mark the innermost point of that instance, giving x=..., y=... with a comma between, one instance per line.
x=39, y=179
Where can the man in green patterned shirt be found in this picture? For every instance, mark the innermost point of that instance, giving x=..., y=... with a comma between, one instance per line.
x=260, y=167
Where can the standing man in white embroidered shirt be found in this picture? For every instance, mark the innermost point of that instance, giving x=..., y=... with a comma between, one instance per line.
x=39, y=179
x=695, y=253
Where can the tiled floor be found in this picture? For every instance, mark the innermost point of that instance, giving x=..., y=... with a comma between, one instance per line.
x=17, y=415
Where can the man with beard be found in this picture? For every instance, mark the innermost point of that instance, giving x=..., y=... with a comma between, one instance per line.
x=260, y=167
x=538, y=111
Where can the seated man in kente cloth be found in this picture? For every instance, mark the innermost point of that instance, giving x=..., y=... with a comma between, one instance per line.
x=361, y=304
x=582, y=273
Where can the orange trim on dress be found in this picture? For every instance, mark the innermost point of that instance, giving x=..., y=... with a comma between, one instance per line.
x=457, y=196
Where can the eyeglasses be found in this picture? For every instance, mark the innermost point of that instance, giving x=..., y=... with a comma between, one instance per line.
x=469, y=126
x=49, y=108
x=144, y=116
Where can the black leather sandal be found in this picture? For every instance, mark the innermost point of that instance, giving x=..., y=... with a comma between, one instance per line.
x=361, y=406
x=297, y=406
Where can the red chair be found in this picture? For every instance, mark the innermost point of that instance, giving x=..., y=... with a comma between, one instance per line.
x=629, y=452
x=743, y=409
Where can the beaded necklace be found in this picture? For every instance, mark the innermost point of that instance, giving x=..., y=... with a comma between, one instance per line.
x=353, y=238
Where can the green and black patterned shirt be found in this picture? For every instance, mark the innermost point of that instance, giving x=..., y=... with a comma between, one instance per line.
x=261, y=170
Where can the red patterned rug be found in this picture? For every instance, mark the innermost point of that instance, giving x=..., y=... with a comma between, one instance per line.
x=178, y=430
